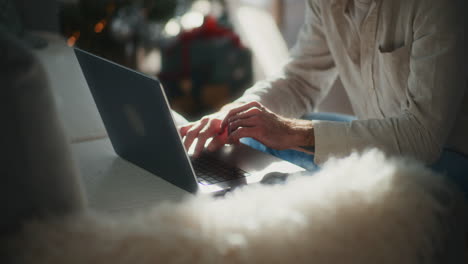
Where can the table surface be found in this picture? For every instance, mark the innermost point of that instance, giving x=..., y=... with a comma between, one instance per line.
x=112, y=184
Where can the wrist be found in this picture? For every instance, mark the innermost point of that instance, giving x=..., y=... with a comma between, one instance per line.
x=303, y=133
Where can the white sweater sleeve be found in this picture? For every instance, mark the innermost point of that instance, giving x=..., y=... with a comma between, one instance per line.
x=307, y=76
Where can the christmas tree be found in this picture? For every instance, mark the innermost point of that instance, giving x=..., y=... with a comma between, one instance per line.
x=112, y=28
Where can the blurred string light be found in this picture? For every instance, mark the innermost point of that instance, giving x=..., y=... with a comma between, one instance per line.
x=190, y=20
x=202, y=6
x=71, y=41
x=172, y=28
x=99, y=27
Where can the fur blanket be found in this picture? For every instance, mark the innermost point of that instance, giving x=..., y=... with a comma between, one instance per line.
x=362, y=209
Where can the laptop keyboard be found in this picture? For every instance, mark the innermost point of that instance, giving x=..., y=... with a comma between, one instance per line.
x=211, y=170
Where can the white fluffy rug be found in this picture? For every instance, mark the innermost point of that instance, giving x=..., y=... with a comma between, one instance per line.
x=363, y=209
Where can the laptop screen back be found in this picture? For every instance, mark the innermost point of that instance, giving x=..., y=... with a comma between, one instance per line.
x=138, y=120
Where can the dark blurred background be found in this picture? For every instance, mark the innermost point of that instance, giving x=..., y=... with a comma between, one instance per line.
x=190, y=45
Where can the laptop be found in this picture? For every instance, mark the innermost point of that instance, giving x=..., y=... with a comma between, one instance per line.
x=141, y=128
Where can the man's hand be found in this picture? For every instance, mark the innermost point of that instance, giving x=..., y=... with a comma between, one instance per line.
x=236, y=121
x=206, y=128
x=274, y=131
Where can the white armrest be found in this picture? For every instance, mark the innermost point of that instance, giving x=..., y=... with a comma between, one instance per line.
x=75, y=104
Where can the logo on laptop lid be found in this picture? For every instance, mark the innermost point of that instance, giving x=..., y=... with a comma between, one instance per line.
x=135, y=120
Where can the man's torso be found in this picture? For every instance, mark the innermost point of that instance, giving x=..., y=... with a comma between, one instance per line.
x=372, y=50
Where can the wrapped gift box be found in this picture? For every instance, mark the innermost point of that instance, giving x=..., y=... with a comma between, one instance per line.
x=205, y=68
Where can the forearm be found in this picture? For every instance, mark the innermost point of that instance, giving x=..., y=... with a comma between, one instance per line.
x=403, y=135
